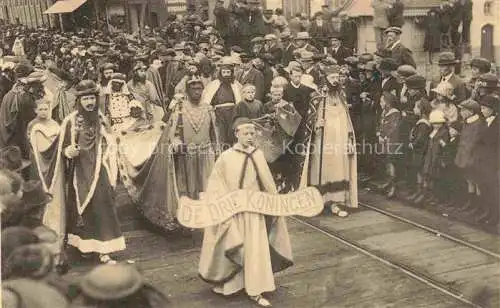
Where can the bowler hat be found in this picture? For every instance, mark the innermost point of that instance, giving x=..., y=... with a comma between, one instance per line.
x=11, y=159
x=488, y=80
x=482, y=64
x=111, y=282
x=491, y=101
x=447, y=58
x=415, y=82
x=471, y=105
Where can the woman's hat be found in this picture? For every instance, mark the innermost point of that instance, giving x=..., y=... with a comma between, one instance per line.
x=11, y=158
x=445, y=89
x=111, y=282
x=482, y=64
x=491, y=101
x=437, y=116
x=405, y=71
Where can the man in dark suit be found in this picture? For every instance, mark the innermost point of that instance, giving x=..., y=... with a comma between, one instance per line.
x=288, y=48
x=399, y=52
x=338, y=52
x=447, y=64
x=390, y=84
x=302, y=42
x=251, y=75
x=320, y=30
x=486, y=161
x=271, y=47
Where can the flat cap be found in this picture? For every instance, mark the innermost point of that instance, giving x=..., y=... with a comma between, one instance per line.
x=396, y=30
x=405, y=71
x=488, y=80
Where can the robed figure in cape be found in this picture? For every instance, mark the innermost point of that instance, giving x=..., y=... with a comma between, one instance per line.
x=86, y=151
x=175, y=158
x=245, y=250
x=332, y=166
x=223, y=94
x=43, y=133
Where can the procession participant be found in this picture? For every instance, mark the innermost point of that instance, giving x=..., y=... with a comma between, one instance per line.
x=105, y=74
x=250, y=75
x=117, y=103
x=399, y=53
x=223, y=94
x=244, y=251
x=153, y=75
x=7, y=76
x=194, y=140
x=86, y=153
x=478, y=67
x=18, y=109
x=351, y=88
x=333, y=165
x=145, y=92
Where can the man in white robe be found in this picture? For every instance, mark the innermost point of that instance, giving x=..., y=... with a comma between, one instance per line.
x=333, y=149
x=244, y=251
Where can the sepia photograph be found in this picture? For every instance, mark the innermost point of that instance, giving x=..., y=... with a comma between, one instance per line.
x=250, y=153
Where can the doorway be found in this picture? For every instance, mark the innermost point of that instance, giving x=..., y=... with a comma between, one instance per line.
x=487, y=46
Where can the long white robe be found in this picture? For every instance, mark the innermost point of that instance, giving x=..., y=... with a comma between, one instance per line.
x=336, y=161
x=244, y=251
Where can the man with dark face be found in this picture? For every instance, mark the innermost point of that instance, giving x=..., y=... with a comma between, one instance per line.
x=194, y=141
x=85, y=151
x=106, y=71
x=333, y=166
x=223, y=93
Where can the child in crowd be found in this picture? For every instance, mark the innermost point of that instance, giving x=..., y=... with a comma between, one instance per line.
x=444, y=101
x=474, y=125
x=250, y=107
x=438, y=139
x=389, y=139
x=419, y=138
x=451, y=185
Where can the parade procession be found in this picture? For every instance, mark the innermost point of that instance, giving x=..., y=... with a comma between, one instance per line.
x=241, y=156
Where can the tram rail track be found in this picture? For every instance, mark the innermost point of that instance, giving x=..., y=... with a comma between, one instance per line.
x=408, y=270
x=431, y=230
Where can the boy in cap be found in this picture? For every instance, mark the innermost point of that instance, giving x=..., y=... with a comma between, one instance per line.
x=478, y=67
x=250, y=266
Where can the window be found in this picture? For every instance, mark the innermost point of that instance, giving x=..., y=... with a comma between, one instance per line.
x=487, y=9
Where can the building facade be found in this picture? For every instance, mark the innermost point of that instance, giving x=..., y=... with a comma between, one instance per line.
x=485, y=29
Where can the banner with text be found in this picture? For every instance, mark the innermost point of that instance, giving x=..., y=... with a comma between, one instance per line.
x=209, y=211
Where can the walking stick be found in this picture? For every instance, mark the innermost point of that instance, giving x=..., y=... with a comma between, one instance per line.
x=323, y=103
